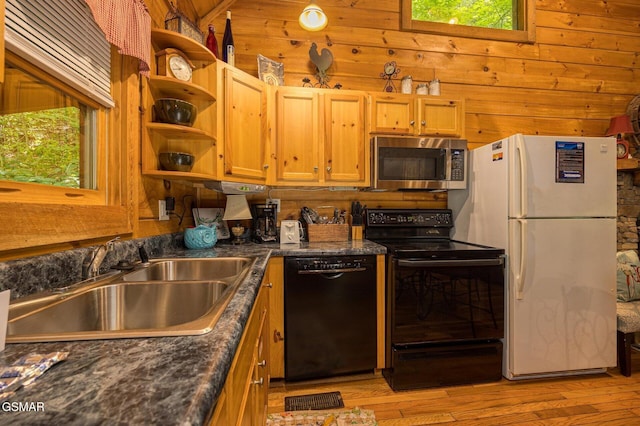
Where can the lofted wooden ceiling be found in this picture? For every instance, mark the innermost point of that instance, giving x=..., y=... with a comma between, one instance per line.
x=207, y=10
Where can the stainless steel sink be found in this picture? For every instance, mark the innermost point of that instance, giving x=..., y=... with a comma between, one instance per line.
x=189, y=269
x=170, y=303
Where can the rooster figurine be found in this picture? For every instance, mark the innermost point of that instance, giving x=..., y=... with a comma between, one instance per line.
x=322, y=61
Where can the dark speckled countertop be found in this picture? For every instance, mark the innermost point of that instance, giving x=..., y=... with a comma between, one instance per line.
x=166, y=380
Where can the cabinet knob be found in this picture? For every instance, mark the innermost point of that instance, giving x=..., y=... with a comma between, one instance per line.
x=266, y=166
x=262, y=363
x=412, y=122
x=423, y=122
x=258, y=382
x=268, y=285
x=315, y=169
x=277, y=336
x=329, y=169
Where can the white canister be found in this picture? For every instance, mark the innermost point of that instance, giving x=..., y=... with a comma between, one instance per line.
x=407, y=84
x=422, y=89
x=434, y=87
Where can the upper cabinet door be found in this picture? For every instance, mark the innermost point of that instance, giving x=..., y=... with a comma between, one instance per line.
x=440, y=117
x=346, y=147
x=245, y=122
x=297, y=136
x=416, y=115
x=392, y=114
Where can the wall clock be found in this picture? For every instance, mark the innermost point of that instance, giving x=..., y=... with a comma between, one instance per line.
x=622, y=149
x=173, y=63
x=390, y=71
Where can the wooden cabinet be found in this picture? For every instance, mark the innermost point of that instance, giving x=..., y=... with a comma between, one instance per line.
x=346, y=143
x=276, y=318
x=297, y=136
x=198, y=140
x=244, y=398
x=416, y=115
x=245, y=127
x=320, y=138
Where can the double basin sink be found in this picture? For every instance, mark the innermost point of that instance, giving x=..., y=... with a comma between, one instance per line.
x=166, y=297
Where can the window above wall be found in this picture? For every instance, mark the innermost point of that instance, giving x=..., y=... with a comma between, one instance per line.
x=508, y=20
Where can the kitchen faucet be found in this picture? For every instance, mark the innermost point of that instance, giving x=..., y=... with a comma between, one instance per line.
x=91, y=267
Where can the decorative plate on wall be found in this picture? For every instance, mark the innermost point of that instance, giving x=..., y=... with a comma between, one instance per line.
x=270, y=71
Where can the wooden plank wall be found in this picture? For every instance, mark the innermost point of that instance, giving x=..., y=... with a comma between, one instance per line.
x=582, y=69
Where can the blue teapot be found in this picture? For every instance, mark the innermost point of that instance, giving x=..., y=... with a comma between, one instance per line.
x=200, y=237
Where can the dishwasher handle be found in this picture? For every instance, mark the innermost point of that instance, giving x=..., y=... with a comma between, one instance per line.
x=329, y=271
x=415, y=263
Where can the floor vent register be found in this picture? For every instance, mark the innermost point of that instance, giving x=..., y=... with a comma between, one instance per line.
x=316, y=401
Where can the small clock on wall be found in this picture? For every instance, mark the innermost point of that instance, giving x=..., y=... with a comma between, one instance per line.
x=622, y=149
x=173, y=63
x=390, y=71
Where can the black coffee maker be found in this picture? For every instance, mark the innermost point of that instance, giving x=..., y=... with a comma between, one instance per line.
x=265, y=222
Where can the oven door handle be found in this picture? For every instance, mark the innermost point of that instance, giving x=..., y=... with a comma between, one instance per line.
x=422, y=263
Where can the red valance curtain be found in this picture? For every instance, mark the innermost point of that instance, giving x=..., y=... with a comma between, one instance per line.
x=127, y=25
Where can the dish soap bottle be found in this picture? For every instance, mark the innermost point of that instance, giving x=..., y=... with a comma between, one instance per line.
x=228, y=49
x=212, y=42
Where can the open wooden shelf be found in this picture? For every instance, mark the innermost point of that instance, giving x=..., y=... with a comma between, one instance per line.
x=628, y=164
x=175, y=131
x=184, y=176
x=172, y=88
x=194, y=50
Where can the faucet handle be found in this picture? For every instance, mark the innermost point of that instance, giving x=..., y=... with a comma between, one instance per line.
x=144, y=257
x=109, y=244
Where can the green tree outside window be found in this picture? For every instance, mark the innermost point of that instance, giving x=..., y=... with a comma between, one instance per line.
x=477, y=13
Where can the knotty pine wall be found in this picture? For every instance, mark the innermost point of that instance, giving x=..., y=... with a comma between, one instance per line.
x=582, y=69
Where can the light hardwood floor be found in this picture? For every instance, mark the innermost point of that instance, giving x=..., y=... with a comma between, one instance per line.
x=603, y=399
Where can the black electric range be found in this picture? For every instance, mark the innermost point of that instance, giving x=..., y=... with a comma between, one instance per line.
x=444, y=301
x=421, y=233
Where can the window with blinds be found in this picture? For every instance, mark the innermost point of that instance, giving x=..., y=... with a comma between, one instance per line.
x=62, y=38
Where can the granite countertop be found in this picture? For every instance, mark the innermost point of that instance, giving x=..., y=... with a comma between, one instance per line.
x=161, y=380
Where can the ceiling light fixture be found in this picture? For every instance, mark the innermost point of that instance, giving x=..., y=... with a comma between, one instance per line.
x=313, y=18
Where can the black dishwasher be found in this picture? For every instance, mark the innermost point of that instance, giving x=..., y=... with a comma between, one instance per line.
x=329, y=316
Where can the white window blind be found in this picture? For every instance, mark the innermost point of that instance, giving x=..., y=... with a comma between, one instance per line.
x=62, y=38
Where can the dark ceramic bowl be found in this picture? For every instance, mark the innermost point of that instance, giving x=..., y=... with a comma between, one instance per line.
x=176, y=161
x=175, y=111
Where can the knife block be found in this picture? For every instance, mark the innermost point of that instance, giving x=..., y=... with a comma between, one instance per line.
x=356, y=232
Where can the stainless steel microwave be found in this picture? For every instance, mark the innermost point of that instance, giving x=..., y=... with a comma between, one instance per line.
x=418, y=163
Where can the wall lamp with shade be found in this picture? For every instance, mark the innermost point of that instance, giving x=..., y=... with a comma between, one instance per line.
x=313, y=18
x=621, y=127
x=237, y=209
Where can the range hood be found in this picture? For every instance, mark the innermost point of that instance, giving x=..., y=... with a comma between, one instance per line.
x=234, y=188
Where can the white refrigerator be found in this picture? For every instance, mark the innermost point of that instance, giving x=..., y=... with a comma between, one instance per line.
x=550, y=202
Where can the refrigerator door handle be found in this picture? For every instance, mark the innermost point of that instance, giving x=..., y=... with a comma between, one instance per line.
x=523, y=178
x=523, y=256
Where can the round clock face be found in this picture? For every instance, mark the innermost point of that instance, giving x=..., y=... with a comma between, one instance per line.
x=389, y=68
x=180, y=68
x=622, y=150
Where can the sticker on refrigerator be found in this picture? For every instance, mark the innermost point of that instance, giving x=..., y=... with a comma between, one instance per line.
x=569, y=162
x=496, y=146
